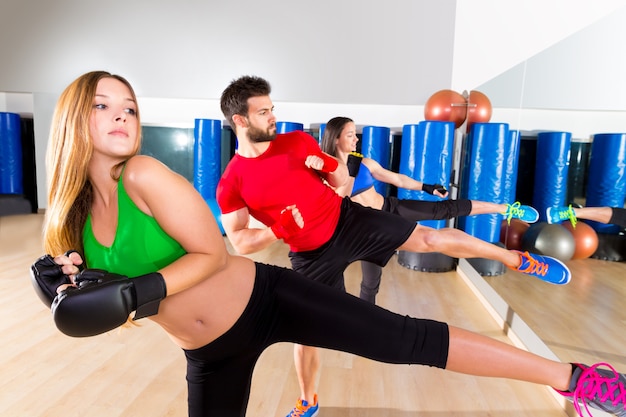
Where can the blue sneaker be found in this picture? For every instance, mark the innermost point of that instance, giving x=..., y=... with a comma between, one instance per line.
x=604, y=389
x=545, y=268
x=560, y=214
x=524, y=213
x=304, y=409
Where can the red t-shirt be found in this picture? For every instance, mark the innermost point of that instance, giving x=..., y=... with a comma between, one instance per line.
x=278, y=178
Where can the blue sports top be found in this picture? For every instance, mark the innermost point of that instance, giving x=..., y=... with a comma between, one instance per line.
x=140, y=246
x=363, y=180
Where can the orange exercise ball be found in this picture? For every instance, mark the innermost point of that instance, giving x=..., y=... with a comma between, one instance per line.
x=585, y=238
x=511, y=234
x=446, y=106
x=478, y=108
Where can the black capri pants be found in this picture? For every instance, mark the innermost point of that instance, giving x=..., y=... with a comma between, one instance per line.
x=417, y=210
x=286, y=307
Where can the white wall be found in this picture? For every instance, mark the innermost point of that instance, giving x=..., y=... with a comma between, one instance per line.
x=584, y=71
x=493, y=36
x=397, y=52
x=21, y=103
x=318, y=51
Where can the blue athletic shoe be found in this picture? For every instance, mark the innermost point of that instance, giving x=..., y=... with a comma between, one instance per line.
x=545, y=268
x=524, y=213
x=560, y=214
x=304, y=409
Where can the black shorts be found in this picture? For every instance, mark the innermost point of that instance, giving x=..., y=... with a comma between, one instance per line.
x=362, y=233
x=286, y=307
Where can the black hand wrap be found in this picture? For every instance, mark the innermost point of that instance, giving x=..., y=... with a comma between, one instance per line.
x=431, y=188
x=150, y=289
x=46, y=276
x=354, y=163
x=103, y=301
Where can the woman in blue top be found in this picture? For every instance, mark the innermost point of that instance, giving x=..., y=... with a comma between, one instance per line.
x=160, y=254
x=340, y=140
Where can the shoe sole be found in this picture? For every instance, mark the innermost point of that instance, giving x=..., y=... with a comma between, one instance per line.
x=533, y=220
x=314, y=414
x=549, y=218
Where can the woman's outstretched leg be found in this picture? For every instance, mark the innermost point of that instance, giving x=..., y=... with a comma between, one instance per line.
x=599, y=386
x=606, y=215
x=475, y=354
x=355, y=326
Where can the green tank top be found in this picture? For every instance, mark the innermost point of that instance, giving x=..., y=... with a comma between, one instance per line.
x=140, y=246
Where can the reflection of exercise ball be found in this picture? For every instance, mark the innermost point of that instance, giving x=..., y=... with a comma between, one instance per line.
x=585, y=237
x=511, y=234
x=478, y=108
x=446, y=106
x=549, y=239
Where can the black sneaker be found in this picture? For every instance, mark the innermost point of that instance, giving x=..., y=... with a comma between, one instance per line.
x=604, y=389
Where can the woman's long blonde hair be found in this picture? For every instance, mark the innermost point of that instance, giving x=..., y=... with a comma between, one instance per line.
x=69, y=151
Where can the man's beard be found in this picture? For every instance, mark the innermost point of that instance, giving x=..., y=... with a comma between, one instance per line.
x=257, y=135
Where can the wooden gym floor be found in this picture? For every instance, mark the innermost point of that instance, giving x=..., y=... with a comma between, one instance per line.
x=140, y=372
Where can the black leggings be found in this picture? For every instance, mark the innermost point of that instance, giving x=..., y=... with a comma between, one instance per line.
x=414, y=210
x=286, y=307
x=618, y=216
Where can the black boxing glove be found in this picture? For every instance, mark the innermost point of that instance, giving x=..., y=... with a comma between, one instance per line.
x=354, y=163
x=431, y=188
x=103, y=301
x=46, y=276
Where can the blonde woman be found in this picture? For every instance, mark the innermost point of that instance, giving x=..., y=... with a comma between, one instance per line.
x=151, y=245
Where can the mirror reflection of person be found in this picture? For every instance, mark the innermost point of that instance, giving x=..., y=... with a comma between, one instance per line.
x=606, y=215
